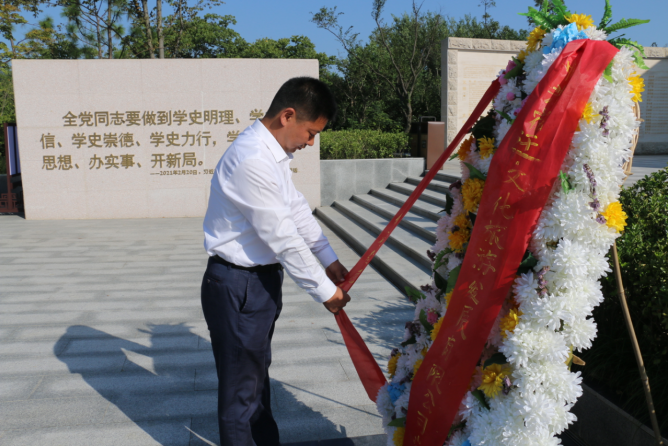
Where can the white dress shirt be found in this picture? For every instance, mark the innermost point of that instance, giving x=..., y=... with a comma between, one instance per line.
x=257, y=217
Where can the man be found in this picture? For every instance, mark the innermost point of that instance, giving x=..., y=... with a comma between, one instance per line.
x=256, y=224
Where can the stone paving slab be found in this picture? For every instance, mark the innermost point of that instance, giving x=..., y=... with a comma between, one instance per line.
x=103, y=340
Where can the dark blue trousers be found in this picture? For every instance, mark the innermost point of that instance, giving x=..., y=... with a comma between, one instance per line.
x=241, y=308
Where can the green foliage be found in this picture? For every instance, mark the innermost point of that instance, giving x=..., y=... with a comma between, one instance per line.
x=397, y=422
x=357, y=144
x=414, y=295
x=643, y=252
x=7, y=111
x=565, y=182
x=622, y=24
x=527, y=264
x=484, y=127
x=475, y=173
x=607, y=15
x=452, y=279
x=638, y=50
x=495, y=359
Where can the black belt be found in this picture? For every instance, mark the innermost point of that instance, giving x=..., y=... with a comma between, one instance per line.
x=257, y=269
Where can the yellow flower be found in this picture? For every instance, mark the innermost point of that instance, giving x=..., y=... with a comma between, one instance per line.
x=437, y=325
x=535, y=38
x=398, y=436
x=465, y=148
x=392, y=364
x=637, y=87
x=588, y=114
x=416, y=367
x=582, y=21
x=486, y=146
x=509, y=322
x=459, y=238
x=615, y=217
x=462, y=221
x=472, y=192
x=492, y=379
x=448, y=297
x=523, y=55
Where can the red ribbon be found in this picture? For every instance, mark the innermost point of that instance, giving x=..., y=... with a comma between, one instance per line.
x=518, y=184
x=367, y=368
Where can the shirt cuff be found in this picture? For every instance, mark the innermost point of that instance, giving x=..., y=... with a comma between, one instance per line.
x=326, y=256
x=324, y=291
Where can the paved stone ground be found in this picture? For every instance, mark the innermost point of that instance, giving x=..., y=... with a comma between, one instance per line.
x=103, y=341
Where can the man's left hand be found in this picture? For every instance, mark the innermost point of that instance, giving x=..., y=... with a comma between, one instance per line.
x=336, y=272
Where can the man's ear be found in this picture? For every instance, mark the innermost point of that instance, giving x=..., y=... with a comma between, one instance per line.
x=288, y=116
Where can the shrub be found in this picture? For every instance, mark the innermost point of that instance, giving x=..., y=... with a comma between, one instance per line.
x=643, y=252
x=355, y=144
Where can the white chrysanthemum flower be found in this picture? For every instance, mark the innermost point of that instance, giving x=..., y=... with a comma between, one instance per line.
x=596, y=34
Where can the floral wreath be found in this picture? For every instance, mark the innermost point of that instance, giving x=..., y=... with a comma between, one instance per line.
x=522, y=389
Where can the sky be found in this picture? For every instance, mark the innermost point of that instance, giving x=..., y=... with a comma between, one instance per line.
x=276, y=19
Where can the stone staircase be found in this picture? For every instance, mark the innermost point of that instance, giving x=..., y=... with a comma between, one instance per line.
x=403, y=259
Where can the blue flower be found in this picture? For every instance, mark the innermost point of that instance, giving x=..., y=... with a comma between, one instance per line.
x=466, y=442
x=561, y=36
x=395, y=391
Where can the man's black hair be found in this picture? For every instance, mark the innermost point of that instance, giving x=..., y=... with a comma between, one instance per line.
x=310, y=98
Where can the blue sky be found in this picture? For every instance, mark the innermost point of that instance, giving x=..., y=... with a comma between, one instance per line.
x=275, y=19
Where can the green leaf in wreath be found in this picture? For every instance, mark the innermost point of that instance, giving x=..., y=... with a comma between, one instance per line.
x=528, y=262
x=452, y=278
x=449, y=202
x=607, y=73
x=505, y=116
x=398, y=422
x=607, y=15
x=622, y=24
x=474, y=173
x=453, y=156
x=560, y=9
x=410, y=341
x=473, y=217
x=516, y=71
x=497, y=358
x=565, y=183
x=441, y=283
x=414, y=295
x=438, y=262
x=478, y=394
x=423, y=319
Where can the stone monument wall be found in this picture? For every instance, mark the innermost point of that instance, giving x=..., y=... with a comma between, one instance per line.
x=469, y=65
x=103, y=139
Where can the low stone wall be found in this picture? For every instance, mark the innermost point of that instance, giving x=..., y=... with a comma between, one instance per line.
x=600, y=422
x=341, y=179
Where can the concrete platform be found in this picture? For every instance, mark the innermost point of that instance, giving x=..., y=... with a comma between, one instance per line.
x=103, y=340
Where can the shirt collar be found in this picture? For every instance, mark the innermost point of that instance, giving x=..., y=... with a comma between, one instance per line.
x=271, y=142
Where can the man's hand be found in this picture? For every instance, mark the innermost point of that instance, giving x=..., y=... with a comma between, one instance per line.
x=336, y=272
x=338, y=301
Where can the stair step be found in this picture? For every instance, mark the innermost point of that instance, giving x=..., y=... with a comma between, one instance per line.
x=448, y=178
x=411, y=244
x=391, y=262
x=435, y=185
x=421, y=207
x=420, y=225
x=433, y=197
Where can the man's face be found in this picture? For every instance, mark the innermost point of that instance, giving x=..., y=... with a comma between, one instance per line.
x=299, y=134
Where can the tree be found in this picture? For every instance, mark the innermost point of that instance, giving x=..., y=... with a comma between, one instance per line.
x=169, y=30
x=95, y=25
x=405, y=46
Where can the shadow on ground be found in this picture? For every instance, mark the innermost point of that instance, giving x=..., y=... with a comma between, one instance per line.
x=171, y=382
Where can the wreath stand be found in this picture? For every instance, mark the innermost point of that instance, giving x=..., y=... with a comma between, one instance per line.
x=625, y=308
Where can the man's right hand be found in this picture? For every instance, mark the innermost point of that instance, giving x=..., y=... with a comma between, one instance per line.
x=338, y=301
